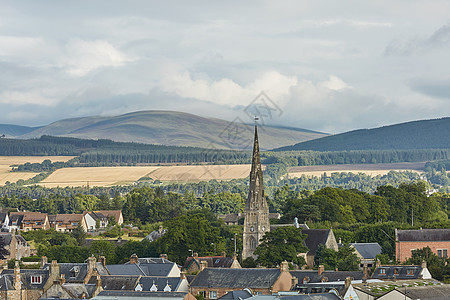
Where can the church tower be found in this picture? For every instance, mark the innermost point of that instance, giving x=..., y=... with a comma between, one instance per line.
x=256, y=222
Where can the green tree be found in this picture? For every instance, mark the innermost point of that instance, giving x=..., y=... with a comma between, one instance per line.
x=79, y=234
x=283, y=243
x=103, y=248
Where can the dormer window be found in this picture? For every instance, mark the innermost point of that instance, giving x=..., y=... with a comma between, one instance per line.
x=409, y=272
x=324, y=279
x=36, y=279
x=396, y=271
x=154, y=287
x=167, y=288
x=305, y=280
x=138, y=288
x=74, y=272
x=382, y=271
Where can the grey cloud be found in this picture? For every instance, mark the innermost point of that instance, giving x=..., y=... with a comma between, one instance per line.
x=432, y=88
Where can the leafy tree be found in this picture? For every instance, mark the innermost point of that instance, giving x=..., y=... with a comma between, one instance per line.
x=283, y=243
x=103, y=248
x=79, y=234
x=249, y=262
x=344, y=259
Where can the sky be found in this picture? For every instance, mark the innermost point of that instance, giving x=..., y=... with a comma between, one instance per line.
x=329, y=66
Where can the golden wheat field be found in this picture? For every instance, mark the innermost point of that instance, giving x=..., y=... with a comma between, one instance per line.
x=107, y=176
x=369, y=169
x=6, y=163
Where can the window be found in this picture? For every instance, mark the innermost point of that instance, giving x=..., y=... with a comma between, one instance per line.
x=396, y=271
x=409, y=272
x=36, y=279
x=444, y=252
x=382, y=271
x=439, y=253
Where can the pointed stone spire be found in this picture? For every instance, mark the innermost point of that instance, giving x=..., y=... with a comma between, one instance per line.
x=256, y=222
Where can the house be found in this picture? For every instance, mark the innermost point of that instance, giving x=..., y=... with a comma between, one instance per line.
x=401, y=272
x=27, y=221
x=436, y=292
x=116, y=214
x=159, y=267
x=101, y=218
x=193, y=263
x=156, y=234
x=366, y=252
x=231, y=219
x=316, y=237
x=17, y=246
x=132, y=295
x=321, y=281
x=406, y=241
x=213, y=283
x=69, y=222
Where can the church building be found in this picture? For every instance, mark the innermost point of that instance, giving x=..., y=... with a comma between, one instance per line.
x=256, y=222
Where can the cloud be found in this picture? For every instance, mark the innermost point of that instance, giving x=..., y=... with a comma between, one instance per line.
x=438, y=39
x=432, y=88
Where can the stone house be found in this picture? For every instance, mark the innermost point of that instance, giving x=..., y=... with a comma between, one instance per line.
x=316, y=237
x=213, y=283
x=367, y=253
x=408, y=240
x=17, y=246
x=22, y=284
x=193, y=263
x=27, y=221
x=148, y=266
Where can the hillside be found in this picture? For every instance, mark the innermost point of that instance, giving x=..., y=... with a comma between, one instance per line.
x=424, y=134
x=172, y=129
x=15, y=130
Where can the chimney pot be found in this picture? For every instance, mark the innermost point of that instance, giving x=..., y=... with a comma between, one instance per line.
x=203, y=265
x=134, y=259
x=284, y=266
x=44, y=261
x=348, y=282
x=321, y=269
x=163, y=256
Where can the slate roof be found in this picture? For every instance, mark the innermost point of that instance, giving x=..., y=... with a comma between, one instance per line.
x=25, y=277
x=117, y=283
x=3, y=216
x=435, y=292
x=317, y=288
x=315, y=238
x=77, y=269
x=6, y=283
x=328, y=276
x=6, y=238
x=397, y=272
x=160, y=282
x=236, y=278
x=68, y=218
x=231, y=218
x=213, y=261
x=157, y=269
x=367, y=250
x=330, y=296
x=130, y=270
x=152, y=260
x=236, y=295
x=133, y=294
x=109, y=213
x=423, y=235
x=78, y=289
x=30, y=216
x=156, y=234
x=15, y=219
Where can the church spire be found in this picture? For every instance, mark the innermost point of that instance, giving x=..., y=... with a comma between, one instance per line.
x=256, y=222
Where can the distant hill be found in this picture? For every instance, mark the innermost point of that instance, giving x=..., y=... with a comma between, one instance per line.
x=172, y=129
x=424, y=134
x=15, y=130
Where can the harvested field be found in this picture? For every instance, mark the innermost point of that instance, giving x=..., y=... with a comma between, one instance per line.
x=7, y=161
x=201, y=173
x=95, y=176
x=107, y=176
x=370, y=169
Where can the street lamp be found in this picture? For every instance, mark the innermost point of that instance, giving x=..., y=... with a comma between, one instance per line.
x=234, y=239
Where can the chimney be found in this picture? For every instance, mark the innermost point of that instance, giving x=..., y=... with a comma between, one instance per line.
x=378, y=264
x=348, y=282
x=195, y=255
x=224, y=254
x=102, y=259
x=134, y=259
x=424, y=264
x=284, y=267
x=54, y=271
x=98, y=282
x=62, y=279
x=294, y=282
x=320, y=269
x=203, y=265
x=183, y=275
x=234, y=256
x=365, y=272
x=164, y=256
x=44, y=261
x=91, y=263
x=17, y=281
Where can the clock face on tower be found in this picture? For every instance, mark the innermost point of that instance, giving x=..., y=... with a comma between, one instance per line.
x=252, y=229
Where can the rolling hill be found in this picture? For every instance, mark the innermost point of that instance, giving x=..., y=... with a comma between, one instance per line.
x=423, y=134
x=15, y=130
x=172, y=129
